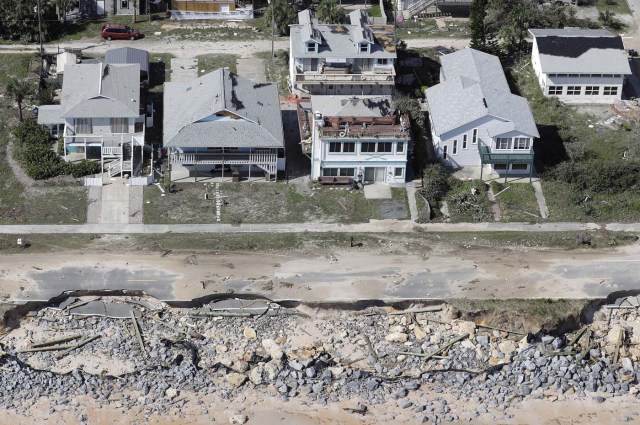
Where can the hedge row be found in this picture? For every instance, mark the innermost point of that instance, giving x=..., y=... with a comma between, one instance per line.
x=33, y=150
x=613, y=176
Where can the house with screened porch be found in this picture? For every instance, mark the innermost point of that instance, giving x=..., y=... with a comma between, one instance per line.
x=475, y=119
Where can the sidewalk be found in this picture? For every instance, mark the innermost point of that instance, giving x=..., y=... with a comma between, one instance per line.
x=375, y=226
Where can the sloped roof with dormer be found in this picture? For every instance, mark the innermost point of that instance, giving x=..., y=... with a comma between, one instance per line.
x=341, y=40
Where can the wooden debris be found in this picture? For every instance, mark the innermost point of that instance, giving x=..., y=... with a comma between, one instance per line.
x=202, y=314
x=55, y=341
x=430, y=356
x=616, y=353
x=137, y=331
x=501, y=329
x=560, y=353
x=368, y=341
x=51, y=348
x=577, y=336
x=188, y=332
x=445, y=347
x=414, y=311
x=81, y=343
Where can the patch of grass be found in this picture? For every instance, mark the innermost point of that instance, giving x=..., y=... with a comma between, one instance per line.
x=527, y=315
x=374, y=11
x=516, y=202
x=210, y=62
x=427, y=28
x=264, y=203
x=567, y=134
x=568, y=203
x=620, y=7
x=277, y=69
x=50, y=203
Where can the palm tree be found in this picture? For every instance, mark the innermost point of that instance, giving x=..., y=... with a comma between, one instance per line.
x=330, y=12
x=19, y=89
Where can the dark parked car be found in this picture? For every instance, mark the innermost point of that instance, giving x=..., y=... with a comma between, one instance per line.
x=119, y=32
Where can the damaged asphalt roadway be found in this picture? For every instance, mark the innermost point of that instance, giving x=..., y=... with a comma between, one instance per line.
x=337, y=276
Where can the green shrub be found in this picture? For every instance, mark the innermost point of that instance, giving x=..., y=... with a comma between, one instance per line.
x=29, y=133
x=84, y=168
x=613, y=176
x=436, y=183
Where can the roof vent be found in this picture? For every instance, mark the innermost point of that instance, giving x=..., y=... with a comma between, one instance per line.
x=484, y=101
x=188, y=88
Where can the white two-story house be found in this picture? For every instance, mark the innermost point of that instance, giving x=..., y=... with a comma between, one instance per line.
x=355, y=137
x=344, y=59
x=476, y=120
x=580, y=65
x=100, y=116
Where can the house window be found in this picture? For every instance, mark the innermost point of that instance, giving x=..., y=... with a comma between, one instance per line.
x=574, y=90
x=610, y=91
x=330, y=172
x=521, y=143
x=348, y=147
x=347, y=172
x=385, y=147
x=474, y=137
x=119, y=125
x=556, y=90
x=335, y=147
x=400, y=147
x=83, y=126
x=398, y=172
x=499, y=166
x=311, y=47
x=368, y=147
x=383, y=61
x=444, y=152
x=124, y=4
x=364, y=48
x=519, y=167
x=503, y=143
x=464, y=141
x=455, y=147
x=592, y=90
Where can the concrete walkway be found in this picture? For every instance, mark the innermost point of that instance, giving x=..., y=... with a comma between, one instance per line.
x=411, y=198
x=542, y=203
x=377, y=191
x=183, y=70
x=115, y=202
x=253, y=69
x=375, y=226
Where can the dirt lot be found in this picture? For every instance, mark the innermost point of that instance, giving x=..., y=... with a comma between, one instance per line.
x=270, y=203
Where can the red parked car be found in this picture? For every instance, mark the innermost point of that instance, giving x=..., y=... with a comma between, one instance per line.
x=119, y=32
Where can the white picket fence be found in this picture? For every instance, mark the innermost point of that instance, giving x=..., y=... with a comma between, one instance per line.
x=141, y=181
x=95, y=180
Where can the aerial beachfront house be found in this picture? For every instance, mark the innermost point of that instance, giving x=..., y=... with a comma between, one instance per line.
x=476, y=120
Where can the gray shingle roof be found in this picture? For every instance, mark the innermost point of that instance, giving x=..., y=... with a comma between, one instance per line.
x=337, y=40
x=474, y=86
x=97, y=90
x=49, y=114
x=128, y=55
x=351, y=106
x=190, y=118
x=585, y=51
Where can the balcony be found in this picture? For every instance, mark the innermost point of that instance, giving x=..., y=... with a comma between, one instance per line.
x=506, y=156
x=368, y=132
x=381, y=74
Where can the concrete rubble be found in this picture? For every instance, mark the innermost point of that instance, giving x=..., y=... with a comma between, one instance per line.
x=371, y=357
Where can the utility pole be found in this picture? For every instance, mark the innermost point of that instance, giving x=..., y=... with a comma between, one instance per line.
x=273, y=26
x=40, y=29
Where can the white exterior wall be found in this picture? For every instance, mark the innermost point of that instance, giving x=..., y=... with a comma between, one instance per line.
x=471, y=156
x=576, y=81
x=464, y=157
x=322, y=158
x=102, y=126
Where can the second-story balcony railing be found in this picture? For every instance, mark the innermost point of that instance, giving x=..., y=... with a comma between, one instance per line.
x=366, y=78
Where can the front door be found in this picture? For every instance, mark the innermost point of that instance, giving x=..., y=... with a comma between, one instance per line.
x=374, y=174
